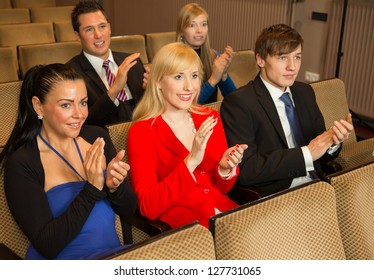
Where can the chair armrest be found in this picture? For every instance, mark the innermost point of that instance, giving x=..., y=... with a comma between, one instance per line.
x=7, y=254
x=243, y=195
x=151, y=227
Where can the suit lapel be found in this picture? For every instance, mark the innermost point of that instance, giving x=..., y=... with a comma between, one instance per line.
x=91, y=73
x=267, y=104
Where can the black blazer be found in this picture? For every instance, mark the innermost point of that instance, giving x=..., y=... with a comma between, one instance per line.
x=250, y=117
x=102, y=110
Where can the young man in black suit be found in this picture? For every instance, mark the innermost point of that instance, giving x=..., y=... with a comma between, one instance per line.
x=93, y=31
x=255, y=114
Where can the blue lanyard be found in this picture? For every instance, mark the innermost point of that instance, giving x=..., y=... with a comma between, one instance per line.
x=57, y=153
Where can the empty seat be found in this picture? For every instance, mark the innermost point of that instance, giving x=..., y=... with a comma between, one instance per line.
x=243, y=67
x=51, y=14
x=130, y=44
x=14, y=35
x=60, y=52
x=332, y=101
x=156, y=41
x=355, y=206
x=297, y=224
x=191, y=242
x=8, y=65
x=33, y=3
x=13, y=16
x=9, y=96
x=64, y=31
x=6, y=4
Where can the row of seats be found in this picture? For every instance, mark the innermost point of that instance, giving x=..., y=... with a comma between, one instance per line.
x=32, y=15
x=24, y=52
x=316, y=221
x=7, y=4
x=47, y=42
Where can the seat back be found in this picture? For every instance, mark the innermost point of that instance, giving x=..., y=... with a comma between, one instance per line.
x=118, y=134
x=297, y=224
x=157, y=40
x=332, y=101
x=243, y=67
x=8, y=65
x=130, y=44
x=14, y=35
x=60, y=52
x=215, y=105
x=9, y=96
x=191, y=242
x=64, y=31
x=355, y=206
x=10, y=234
x=6, y=4
x=51, y=14
x=33, y=3
x=13, y=16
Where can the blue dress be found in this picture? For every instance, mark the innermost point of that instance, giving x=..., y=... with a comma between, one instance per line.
x=98, y=236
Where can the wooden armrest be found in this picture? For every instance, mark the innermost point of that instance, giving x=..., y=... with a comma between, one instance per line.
x=7, y=254
x=151, y=227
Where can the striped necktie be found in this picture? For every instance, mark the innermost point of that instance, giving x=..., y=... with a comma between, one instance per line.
x=110, y=78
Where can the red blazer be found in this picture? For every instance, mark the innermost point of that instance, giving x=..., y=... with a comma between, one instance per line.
x=166, y=190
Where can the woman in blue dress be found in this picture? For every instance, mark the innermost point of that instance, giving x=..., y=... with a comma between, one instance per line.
x=64, y=182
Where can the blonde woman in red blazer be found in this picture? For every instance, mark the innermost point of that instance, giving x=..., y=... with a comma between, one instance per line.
x=181, y=167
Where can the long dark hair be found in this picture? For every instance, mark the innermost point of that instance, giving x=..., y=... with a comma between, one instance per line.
x=38, y=81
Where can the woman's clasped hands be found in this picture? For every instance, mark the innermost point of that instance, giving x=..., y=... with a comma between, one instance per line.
x=94, y=165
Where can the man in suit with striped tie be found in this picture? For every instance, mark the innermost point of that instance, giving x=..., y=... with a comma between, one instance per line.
x=114, y=80
x=279, y=119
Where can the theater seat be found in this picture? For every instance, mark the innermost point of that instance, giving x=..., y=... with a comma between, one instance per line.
x=332, y=101
x=297, y=224
x=190, y=242
x=8, y=65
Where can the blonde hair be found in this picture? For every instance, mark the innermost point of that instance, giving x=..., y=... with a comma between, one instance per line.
x=170, y=59
x=186, y=15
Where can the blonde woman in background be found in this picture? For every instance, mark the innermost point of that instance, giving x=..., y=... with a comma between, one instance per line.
x=192, y=29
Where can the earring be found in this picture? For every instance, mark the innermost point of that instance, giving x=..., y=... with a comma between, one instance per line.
x=40, y=117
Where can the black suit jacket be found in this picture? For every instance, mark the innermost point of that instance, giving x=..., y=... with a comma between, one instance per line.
x=250, y=117
x=102, y=110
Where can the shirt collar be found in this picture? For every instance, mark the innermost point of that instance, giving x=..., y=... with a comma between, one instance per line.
x=97, y=62
x=275, y=92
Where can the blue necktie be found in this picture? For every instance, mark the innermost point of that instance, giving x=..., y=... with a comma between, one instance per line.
x=295, y=125
x=293, y=120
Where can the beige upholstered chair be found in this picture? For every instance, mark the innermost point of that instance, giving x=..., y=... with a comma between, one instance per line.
x=5, y=4
x=191, y=242
x=13, y=16
x=157, y=40
x=355, y=205
x=51, y=14
x=60, y=52
x=297, y=224
x=130, y=44
x=14, y=35
x=33, y=3
x=8, y=65
x=11, y=236
x=332, y=101
x=9, y=96
x=243, y=67
x=64, y=31
x=215, y=105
